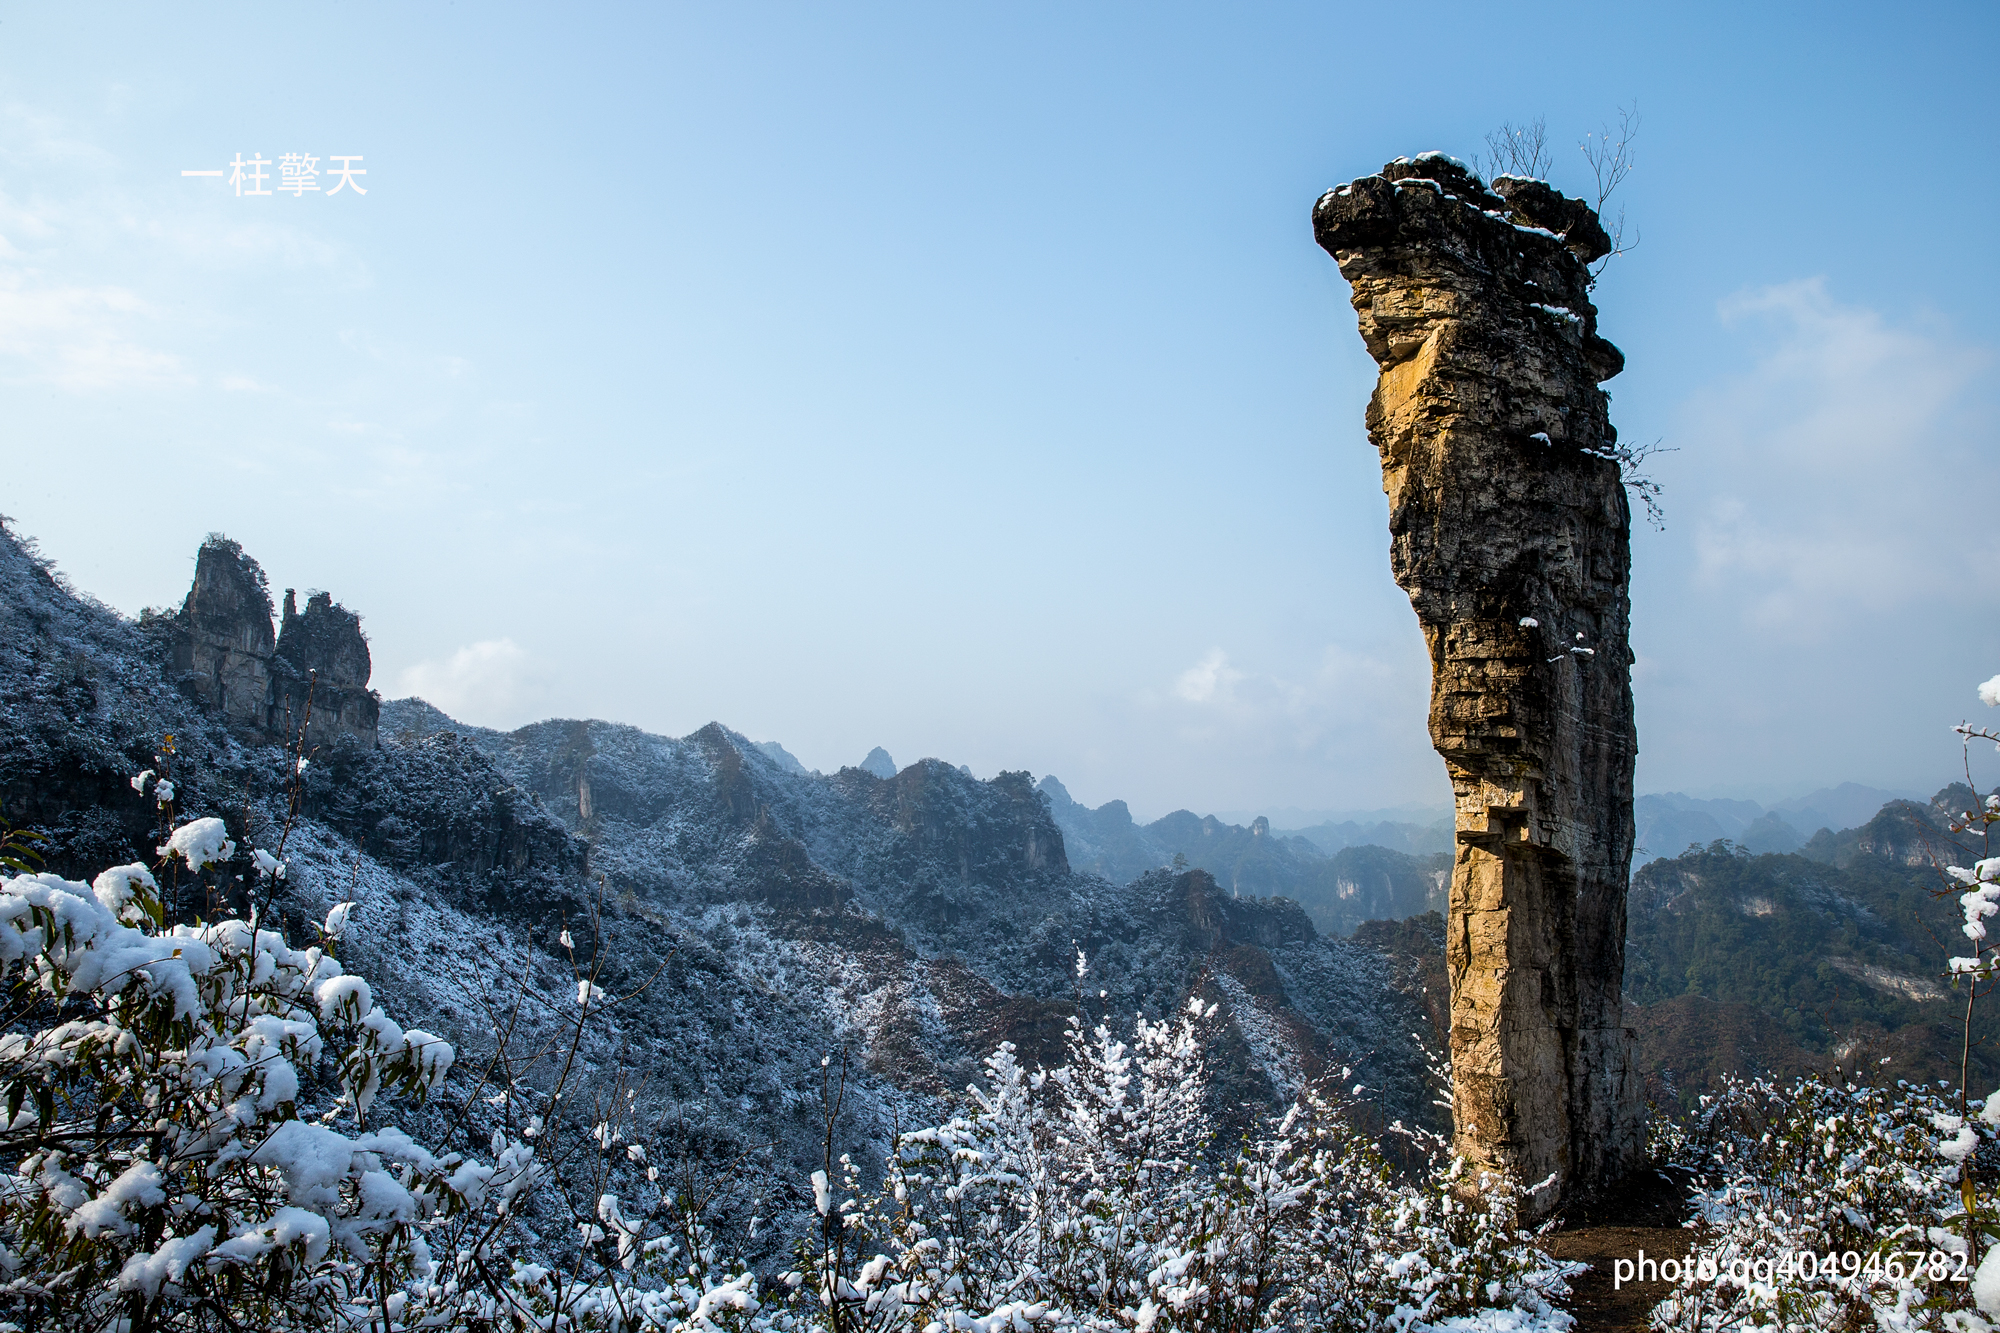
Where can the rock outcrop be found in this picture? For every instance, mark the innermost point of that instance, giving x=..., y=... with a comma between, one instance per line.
x=320, y=674
x=311, y=675
x=1510, y=531
x=222, y=653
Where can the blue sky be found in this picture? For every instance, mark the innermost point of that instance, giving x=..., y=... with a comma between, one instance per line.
x=964, y=380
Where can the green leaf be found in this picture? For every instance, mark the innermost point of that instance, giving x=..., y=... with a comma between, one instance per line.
x=17, y=849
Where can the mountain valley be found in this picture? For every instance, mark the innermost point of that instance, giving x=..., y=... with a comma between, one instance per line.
x=902, y=921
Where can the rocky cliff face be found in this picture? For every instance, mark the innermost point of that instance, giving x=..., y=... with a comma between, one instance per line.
x=312, y=675
x=1510, y=532
x=320, y=674
x=223, y=652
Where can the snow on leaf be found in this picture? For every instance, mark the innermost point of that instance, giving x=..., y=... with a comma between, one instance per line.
x=201, y=842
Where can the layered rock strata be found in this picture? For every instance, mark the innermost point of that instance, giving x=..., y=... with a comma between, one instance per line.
x=1510, y=531
x=311, y=675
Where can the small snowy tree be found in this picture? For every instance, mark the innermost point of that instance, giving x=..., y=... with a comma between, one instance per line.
x=152, y=1077
x=1830, y=1205
x=1094, y=1196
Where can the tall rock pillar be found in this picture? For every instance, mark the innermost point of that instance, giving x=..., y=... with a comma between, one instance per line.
x=1510, y=532
x=223, y=640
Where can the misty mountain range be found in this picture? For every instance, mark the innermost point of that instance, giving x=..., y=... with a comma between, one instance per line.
x=916, y=916
x=1670, y=823
x=761, y=918
x=1344, y=873
x=1254, y=855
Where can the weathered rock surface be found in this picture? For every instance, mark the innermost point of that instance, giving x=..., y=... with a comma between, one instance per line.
x=320, y=675
x=224, y=648
x=1510, y=531
x=312, y=675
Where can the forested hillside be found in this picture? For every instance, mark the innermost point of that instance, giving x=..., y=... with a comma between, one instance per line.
x=1786, y=962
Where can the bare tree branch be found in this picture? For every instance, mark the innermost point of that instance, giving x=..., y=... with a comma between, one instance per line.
x=1520, y=150
x=1609, y=152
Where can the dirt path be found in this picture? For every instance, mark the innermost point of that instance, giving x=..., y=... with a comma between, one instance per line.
x=1597, y=1306
x=1643, y=1213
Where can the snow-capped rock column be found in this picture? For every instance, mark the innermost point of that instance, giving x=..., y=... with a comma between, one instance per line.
x=1510, y=531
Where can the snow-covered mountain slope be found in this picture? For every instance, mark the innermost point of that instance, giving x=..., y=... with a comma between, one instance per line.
x=766, y=917
x=946, y=905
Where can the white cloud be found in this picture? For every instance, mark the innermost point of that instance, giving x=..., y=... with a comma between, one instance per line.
x=1821, y=615
x=1211, y=680
x=80, y=337
x=1346, y=703
x=1341, y=726
x=1837, y=462
x=490, y=683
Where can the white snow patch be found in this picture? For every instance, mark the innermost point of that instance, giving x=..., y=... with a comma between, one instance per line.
x=201, y=841
x=1266, y=1039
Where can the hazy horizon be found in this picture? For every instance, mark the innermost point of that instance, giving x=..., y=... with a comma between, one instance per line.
x=1288, y=817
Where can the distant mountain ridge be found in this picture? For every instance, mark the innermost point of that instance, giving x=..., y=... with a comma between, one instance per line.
x=1299, y=817
x=1439, y=835
x=1345, y=873
x=1669, y=823
x=1339, y=887
x=954, y=906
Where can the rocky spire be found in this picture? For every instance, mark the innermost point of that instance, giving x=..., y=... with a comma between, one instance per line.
x=1510, y=532
x=264, y=685
x=327, y=638
x=223, y=644
x=321, y=673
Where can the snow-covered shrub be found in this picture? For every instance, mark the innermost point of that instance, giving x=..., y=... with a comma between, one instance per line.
x=1836, y=1205
x=152, y=1079
x=164, y=1167
x=1094, y=1196
x=1833, y=1206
